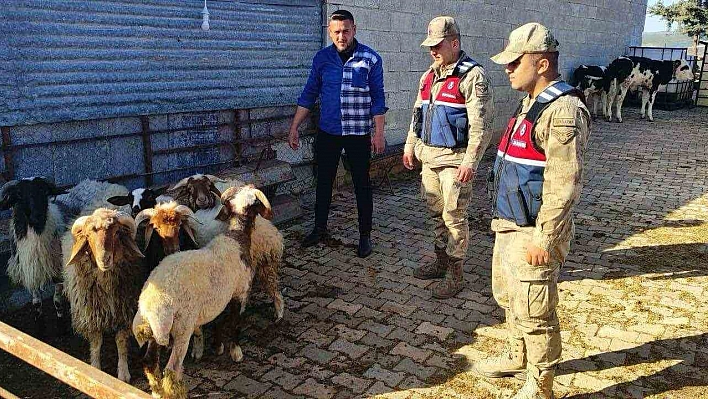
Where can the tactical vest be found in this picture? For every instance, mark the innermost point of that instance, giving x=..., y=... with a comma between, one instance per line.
x=515, y=185
x=445, y=117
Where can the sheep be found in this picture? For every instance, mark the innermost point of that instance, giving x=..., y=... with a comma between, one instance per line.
x=171, y=222
x=36, y=227
x=38, y=222
x=189, y=289
x=266, y=251
x=89, y=195
x=141, y=198
x=201, y=191
x=103, y=274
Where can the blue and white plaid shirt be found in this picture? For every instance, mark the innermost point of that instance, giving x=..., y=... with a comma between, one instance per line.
x=350, y=93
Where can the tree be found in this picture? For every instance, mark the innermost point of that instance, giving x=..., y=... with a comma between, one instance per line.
x=690, y=15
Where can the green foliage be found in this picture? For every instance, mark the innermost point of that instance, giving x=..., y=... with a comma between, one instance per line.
x=691, y=16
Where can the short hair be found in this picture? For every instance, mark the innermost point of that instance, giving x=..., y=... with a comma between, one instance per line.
x=552, y=58
x=341, y=15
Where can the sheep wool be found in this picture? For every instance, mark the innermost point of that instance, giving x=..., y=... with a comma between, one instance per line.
x=34, y=262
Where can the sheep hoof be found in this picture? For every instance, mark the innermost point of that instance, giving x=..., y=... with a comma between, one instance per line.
x=220, y=350
x=197, y=353
x=172, y=387
x=236, y=353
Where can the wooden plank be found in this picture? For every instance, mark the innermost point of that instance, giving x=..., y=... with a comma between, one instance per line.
x=702, y=102
x=7, y=395
x=147, y=149
x=65, y=368
x=7, y=152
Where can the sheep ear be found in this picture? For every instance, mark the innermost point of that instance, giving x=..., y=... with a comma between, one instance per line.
x=148, y=235
x=77, y=248
x=214, y=190
x=224, y=214
x=190, y=233
x=119, y=200
x=132, y=247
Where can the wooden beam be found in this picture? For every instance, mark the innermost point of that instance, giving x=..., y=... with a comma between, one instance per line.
x=64, y=367
x=147, y=149
x=7, y=152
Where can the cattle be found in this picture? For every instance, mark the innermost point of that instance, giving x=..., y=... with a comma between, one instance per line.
x=644, y=74
x=590, y=79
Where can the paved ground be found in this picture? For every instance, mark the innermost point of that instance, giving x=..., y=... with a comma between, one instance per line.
x=634, y=292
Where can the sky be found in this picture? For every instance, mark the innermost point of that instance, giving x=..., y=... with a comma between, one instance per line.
x=656, y=24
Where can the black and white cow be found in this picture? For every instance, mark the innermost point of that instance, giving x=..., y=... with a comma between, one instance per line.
x=644, y=74
x=140, y=199
x=591, y=80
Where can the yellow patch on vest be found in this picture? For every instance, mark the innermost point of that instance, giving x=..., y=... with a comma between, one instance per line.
x=563, y=122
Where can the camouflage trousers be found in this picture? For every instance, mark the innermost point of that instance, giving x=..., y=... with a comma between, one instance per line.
x=529, y=294
x=447, y=201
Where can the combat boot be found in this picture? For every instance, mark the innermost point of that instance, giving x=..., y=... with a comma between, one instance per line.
x=512, y=362
x=453, y=282
x=539, y=385
x=435, y=269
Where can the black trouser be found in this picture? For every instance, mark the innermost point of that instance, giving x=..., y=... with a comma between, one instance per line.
x=328, y=149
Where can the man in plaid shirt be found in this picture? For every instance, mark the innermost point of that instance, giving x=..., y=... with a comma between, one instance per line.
x=347, y=77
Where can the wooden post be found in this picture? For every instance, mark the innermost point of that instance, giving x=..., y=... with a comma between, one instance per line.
x=65, y=368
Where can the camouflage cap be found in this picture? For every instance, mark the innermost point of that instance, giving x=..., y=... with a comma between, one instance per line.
x=527, y=39
x=439, y=29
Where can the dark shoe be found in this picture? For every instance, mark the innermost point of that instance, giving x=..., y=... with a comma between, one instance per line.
x=317, y=235
x=453, y=283
x=364, y=248
x=435, y=269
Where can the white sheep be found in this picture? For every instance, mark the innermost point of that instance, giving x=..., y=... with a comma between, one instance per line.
x=189, y=289
x=103, y=274
x=266, y=250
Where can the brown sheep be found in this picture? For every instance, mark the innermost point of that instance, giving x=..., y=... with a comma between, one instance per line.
x=103, y=275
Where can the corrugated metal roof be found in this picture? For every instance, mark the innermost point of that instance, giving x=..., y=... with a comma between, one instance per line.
x=64, y=60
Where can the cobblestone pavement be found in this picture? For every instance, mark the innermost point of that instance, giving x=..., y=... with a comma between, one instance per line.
x=633, y=306
x=633, y=303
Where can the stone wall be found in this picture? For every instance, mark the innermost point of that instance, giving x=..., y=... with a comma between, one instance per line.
x=590, y=32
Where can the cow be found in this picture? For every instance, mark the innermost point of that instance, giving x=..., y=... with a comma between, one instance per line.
x=590, y=79
x=644, y=74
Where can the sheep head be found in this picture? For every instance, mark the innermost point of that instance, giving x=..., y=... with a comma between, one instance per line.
x=167, y=219
x=34, y=192
x=138, y=199
x=106, y=234
x=247, y=201
x=198, y=191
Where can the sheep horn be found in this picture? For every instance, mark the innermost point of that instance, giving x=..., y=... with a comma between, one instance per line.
x=127, y=221
x=184, y=210
x=215, y=179
x=78, y=225
x=148, y=235
x=7, y=186
x=145, y=214
x=267, y=213
x=180, y=184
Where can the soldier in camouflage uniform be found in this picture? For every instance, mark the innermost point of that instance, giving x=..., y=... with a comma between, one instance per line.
x=535, y=184
x=451, y=128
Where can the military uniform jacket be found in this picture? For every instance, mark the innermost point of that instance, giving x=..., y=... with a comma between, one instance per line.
x=561, y=132
x=476, y=89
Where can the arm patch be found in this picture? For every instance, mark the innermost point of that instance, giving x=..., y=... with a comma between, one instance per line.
x=481, y=89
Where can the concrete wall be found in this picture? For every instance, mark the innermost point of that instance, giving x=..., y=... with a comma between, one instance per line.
x=589, y=31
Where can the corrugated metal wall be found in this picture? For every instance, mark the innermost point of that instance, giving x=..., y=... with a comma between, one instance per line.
x=63, y=60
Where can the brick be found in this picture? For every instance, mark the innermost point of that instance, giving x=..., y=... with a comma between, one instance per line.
x=414, y=353
x=352, y=350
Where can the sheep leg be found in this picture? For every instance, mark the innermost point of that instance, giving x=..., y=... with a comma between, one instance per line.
x=172, y=385
x=231, y=328
x=60, y=302
x=151, y=367
x=198, y=344
x=95, y=342
x=272, y=286
x=122, y=345
x=37, y=305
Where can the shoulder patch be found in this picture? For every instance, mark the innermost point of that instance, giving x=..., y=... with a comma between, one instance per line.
x=481, y=89
x=563, y=122
x=564, y=133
